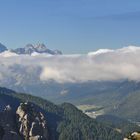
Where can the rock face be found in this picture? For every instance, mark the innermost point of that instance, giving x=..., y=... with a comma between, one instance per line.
x=32, y=124
x=133, y=136
x=27, y=123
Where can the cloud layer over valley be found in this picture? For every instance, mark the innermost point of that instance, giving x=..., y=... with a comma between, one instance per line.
x=100, y=65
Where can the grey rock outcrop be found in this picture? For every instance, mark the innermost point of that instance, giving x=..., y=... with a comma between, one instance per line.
x=32, y=124
x=26, y=123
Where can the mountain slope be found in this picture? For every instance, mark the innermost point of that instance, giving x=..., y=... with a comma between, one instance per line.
x=129, y=107
x=122, y=125
x=107, y=94
x=2, y=48
x=65, y=121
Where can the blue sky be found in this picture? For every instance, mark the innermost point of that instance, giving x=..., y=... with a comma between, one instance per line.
x=73, y=26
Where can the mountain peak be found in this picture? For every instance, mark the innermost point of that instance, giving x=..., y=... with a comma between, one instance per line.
x=39, y=48
x=30, y=49
x=29, y=46
x=2, y=48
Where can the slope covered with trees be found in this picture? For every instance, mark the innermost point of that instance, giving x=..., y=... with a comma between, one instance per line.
x=64, y=121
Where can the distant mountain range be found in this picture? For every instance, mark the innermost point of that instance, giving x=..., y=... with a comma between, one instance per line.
x=30, y=49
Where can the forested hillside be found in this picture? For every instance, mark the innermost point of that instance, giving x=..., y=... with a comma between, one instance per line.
x=64, y=121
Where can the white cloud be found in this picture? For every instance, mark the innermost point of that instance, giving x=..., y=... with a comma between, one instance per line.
x=100, y=51
x=7, y=54
x=101, y=65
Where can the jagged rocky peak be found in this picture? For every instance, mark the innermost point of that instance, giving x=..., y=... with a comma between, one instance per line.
x=32, y=124
x=28, y=49
x=2, y=48
x=26, y=123
x=29, y=46
x=39, y=48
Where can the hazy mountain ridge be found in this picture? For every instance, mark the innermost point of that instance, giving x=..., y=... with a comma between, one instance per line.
x=130, y=107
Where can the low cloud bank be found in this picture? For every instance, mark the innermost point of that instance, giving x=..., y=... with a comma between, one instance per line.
x=101, y=65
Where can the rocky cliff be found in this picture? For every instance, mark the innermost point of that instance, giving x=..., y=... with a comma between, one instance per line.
x=27, y=123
